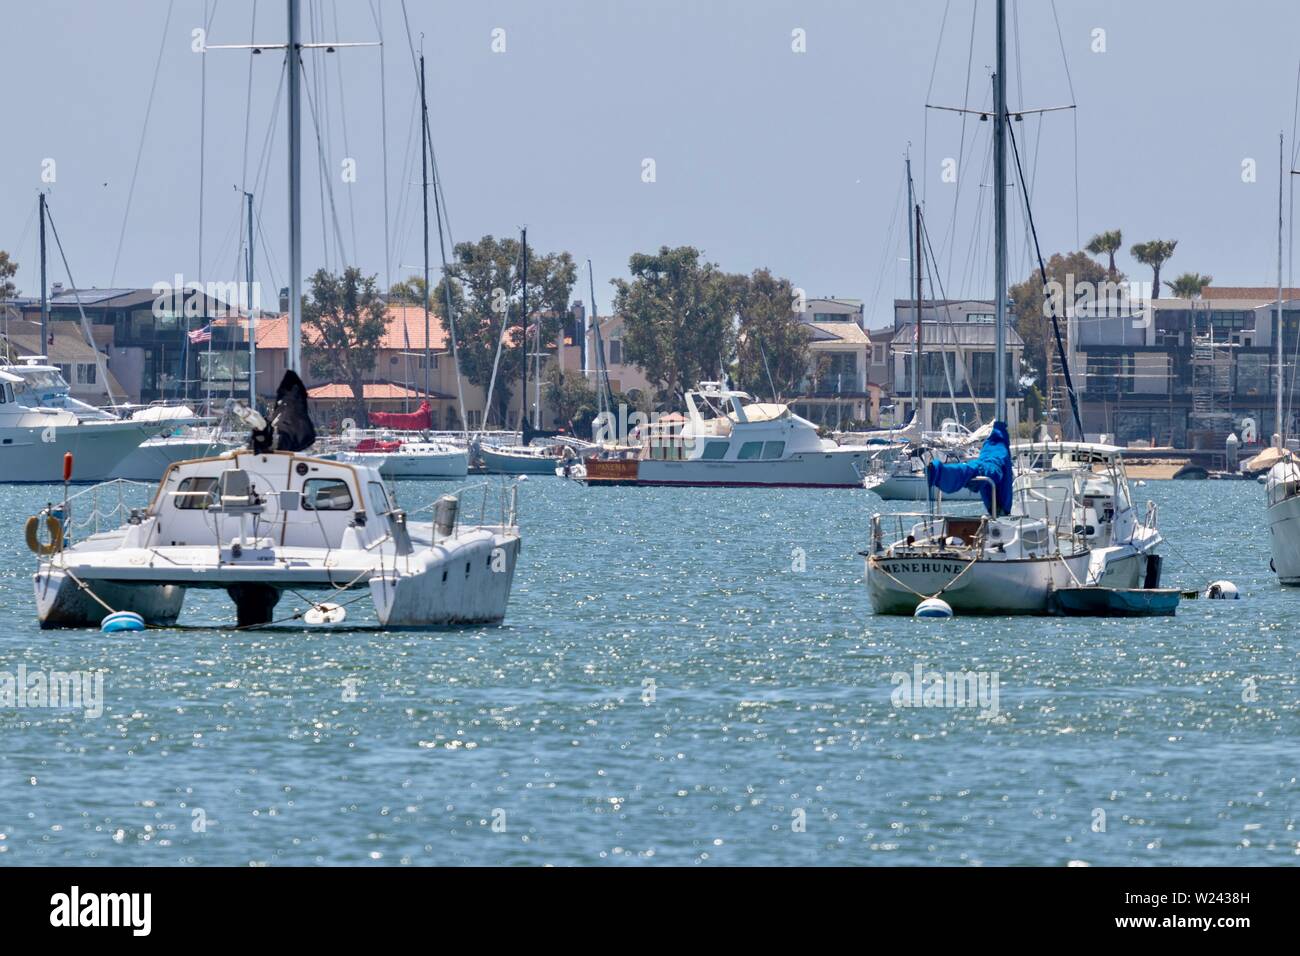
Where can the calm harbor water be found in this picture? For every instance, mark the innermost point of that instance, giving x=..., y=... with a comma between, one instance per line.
x=668, y=690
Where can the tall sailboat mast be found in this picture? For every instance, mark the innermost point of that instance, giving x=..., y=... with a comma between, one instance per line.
x=45, y=301
x=523, y=339
x=1000, y=216
x=252, y=317
x=424, y=202
x=1281, y=175
x=294, y=356
x=913, y=274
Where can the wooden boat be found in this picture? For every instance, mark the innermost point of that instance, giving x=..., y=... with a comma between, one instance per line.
x=1115, y=602
x=611, y=471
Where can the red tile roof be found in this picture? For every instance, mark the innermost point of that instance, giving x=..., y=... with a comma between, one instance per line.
x=373, y=391
x=405, y=331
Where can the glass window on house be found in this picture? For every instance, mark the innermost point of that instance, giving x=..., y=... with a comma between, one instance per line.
x=615, y=351
x=86, y=373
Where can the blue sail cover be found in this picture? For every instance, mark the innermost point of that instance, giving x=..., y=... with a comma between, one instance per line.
x=994, y=462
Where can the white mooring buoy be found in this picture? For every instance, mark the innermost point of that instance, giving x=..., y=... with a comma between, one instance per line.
x=326, y=614
x=122, y=621
x=1223, y=591
x=933, y=607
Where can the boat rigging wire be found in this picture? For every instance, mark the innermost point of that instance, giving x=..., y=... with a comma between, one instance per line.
x=85, y=322
x=1042, y=272
x=144, y=129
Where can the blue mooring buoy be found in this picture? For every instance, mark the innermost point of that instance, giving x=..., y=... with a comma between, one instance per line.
x=122, y=621
x=933, y=607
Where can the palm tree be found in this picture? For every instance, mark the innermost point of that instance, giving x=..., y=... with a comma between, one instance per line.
x=1189, y=285
x=1154, y=254
x=1108, y=243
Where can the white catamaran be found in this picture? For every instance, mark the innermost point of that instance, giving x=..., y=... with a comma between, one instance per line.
x=270, y=518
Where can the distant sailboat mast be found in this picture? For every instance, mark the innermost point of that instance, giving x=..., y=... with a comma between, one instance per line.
x=1000, y=216
x=914, y=275
x=1278, y=328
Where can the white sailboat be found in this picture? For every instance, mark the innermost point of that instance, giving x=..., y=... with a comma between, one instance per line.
x=1068, y=522
x=1282, y=487
x=413, y=460
x=1072, y=523
x=1282, y=483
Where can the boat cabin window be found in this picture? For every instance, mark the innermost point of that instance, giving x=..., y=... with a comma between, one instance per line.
x=750, y=450
x=379, y=498
x=326, y=494
x=773, y=449
x=715, y=450
x=195, y=494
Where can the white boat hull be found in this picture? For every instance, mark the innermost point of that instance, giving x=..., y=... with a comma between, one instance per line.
x=1284, y=534
x=1015, y=586
x=414, y=467
x=911, y=488
x=823, y=469
x=35, y=454
x=152, y=458
x=501, y=462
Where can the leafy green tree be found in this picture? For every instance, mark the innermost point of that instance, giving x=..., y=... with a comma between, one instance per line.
x=1189, y=285
x=410, y=291
x=1154, y=254
x=8, y=269
x=1107, y=243
x=344, y=319
x=772, y=340
x=486, y=282
x=677, y=318
x=1031, y=320
x=571, y=398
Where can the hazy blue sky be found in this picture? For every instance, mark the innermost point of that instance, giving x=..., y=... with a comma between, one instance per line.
x=764, y=156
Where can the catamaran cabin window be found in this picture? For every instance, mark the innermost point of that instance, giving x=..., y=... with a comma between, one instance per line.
x=326, y=494
x=195, y=494
x=750, y=450
x=379, y=498
x=773, y=449
x=715, y=450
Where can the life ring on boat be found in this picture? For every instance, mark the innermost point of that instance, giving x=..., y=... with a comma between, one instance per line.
x=55, y=528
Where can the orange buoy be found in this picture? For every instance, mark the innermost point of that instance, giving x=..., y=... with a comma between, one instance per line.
x=67, y=466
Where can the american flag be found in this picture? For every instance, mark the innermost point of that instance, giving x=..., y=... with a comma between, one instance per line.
x=199, y=336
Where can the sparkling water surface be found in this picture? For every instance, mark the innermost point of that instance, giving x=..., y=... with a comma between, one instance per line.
x=669, y=689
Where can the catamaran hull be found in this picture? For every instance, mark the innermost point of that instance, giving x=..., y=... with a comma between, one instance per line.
x=1021, y=586
x=62, y=602
x=461, y=580
x=804, y=470
x=1284, y=532
x=36, y=454
x=913, y=488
